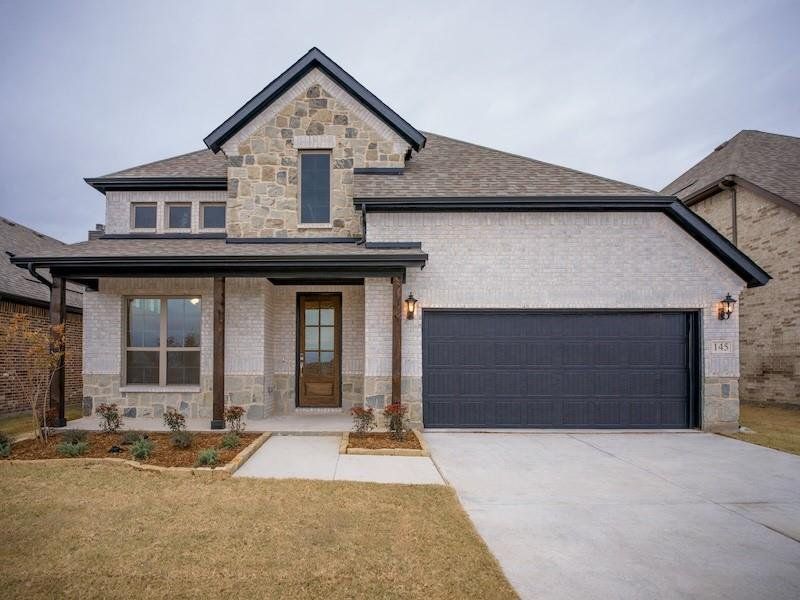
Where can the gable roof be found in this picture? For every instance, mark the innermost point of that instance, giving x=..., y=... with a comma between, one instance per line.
x=453, y=168
x=314, y=58
x=19, y=240
x=769, y=161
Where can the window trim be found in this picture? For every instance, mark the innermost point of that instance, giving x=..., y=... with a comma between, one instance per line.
x=168, y=205
x=319, y=225
x=162, y=348
x=134, y=206
x=202, y=220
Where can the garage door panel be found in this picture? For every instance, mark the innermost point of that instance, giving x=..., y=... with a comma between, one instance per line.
x=486, y=368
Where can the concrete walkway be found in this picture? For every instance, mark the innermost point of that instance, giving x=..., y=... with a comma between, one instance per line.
x=317, y=457
x=631, y=515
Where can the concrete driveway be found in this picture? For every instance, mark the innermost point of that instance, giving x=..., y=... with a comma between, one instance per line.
x=659, y=515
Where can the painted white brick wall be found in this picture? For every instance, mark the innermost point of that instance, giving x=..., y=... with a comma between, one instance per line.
x=549, y=260
x=118, y=207
x=244, y=326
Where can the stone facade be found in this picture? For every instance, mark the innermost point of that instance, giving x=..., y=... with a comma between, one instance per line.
x=263, y=174
x=553, y=261
x=769, y=233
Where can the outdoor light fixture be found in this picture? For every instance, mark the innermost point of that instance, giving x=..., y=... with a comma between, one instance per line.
x=411, y=306
x=726, y=307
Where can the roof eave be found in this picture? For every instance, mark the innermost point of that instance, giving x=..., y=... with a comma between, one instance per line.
x=714, y=187
x=136, y=184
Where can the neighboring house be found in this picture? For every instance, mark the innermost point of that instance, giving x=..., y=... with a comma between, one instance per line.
x=22, y=292
x=749, y=189
x=275, y=270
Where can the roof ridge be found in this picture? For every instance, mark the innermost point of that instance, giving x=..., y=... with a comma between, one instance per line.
x=153, y=162
x=539, y=162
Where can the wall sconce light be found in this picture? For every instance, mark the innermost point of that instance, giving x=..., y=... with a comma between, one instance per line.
x=411, y=306
x=726, y=308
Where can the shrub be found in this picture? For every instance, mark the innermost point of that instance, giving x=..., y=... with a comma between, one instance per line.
x=207, y=458
x=129, y=437
x=73, y=436
x=181, y=439
x=72, y=449
x=395, y=414
x=5, y=445
x=142, y=448
x=234, y=417
x=230, y=440
x=174, y=420
x=110, y=419
x=363, y=419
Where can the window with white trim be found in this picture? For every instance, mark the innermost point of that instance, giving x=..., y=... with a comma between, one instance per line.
x=179, y=216
x=212, y=215
x=315, y=187
x=162, y=341
x=143, y=215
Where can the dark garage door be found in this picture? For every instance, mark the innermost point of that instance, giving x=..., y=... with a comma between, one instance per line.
x=545, y=369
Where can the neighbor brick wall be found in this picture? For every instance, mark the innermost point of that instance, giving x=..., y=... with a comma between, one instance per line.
x=769, y=233
x=11, y=397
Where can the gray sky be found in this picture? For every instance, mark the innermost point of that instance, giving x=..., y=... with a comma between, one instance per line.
x=635, y=91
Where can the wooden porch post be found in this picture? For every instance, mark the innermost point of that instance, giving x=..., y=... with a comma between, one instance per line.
x=58, y=315
x=397, y=322
x=218, y=380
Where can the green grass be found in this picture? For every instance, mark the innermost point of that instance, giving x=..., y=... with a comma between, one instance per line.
x=774, y=426
x=21, y=423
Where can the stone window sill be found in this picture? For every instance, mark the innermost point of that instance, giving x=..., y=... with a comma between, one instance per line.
x=175, y=389
x=315, y=226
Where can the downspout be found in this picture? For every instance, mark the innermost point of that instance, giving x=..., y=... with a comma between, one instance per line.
x=42, y=279
x=730, y=184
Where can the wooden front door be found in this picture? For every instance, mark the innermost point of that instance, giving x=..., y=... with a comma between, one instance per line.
x=319, y=350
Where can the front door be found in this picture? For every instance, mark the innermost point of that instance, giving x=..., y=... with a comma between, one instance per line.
x=319, y=350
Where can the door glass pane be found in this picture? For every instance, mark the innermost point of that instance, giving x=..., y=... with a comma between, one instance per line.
x=183, y=368
x=142, y=367
x=312, y=316
x=144, y=322
x=326, y=363
x=326, y=316
x=180, y=217
x=312, y=338
x=326, y=338
x=312, y=357
x=183, y=322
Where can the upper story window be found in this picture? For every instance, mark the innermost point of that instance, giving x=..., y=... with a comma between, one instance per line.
x=212, y=216
x=315, y=187
x=179, y=216
x=143, y=216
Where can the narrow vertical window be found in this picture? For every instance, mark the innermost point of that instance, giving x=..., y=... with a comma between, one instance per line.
x=315, y=187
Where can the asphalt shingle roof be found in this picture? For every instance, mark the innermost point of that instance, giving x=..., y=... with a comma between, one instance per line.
x=19, y=240
x=200, y=163
x=768, y=160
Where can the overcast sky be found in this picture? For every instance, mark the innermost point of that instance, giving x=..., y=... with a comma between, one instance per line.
x=635, y=91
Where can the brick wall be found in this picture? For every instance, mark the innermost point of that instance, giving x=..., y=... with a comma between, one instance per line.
x=770, y=315
x=11, y=398
x=118, y=207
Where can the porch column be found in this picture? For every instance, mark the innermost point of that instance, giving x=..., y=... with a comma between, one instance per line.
x=218, y=379
x=58, y=316
x=397, y=322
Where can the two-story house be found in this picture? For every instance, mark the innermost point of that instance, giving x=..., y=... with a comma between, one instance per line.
x=322, y=252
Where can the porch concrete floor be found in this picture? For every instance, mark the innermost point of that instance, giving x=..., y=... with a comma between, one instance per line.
x=317, y=457
x=296, y=423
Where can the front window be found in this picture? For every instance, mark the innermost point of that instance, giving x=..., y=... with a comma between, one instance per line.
x=163, y=341
x=212, y=216
x=179, y=216
x=315, y=187
x=144, y=216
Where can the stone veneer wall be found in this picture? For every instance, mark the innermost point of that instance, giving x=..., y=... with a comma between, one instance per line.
x=263, y=158
x=770, y=315
x=553, y=260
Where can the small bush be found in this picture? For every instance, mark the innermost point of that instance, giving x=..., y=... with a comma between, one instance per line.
x=129, y=437
x=181, y=439
x=142, y=448
x=395, y=414
x=72, y=449
x=5, y=445
x=363, y=419
x=234, y=417
x=73, y=436
x=174, y=420
x=230, y=440
x=207, y=458
x=110, y=419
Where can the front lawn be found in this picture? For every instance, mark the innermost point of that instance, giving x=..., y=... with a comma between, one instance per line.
x=101, y=531
x=774, y=426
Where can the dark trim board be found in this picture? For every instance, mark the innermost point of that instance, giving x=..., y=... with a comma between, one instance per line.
x=287, y=240
x=298, y=282
x=14, y=299
x=714, y=188
x=378, y=171
x=141, y=184
x=163, y=236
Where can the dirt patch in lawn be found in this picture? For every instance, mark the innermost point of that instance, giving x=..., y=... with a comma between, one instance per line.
x=164, y=454
x=774, y=426
x=382, y=440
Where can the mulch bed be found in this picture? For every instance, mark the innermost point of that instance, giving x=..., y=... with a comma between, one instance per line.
x=382, y=441
x=164, y=455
